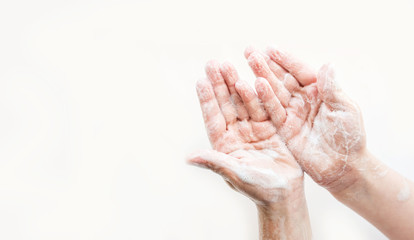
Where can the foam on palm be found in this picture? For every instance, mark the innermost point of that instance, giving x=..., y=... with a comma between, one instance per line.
x=248, y=153
x=257, y=167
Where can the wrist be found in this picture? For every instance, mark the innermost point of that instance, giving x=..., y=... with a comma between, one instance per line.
x=285, y=219
x=381, y=196
x=287, y=198
x=365, y=169
x=284, y=196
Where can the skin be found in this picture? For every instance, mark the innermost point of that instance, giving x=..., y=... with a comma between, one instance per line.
x=249, y=155
x=324, y=131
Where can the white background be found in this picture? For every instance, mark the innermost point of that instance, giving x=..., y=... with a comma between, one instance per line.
x=98, y=110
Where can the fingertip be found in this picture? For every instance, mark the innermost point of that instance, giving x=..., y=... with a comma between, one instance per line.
x=263, y=88
x=198, y=157
x=201, y=83
x=326, y=73
x=229, y=73
x=191, y=158
x=245, y=91
x=260, y=89
x=331, y=70
x=256, y=62
x=260, y=85
x=270, y=48
x=331, y=75
x=211, y=65
x=312, y=78
x=197, y=162
x=328, y=87
x=226, y=67
x=254, y=56
x=204, y=90
x=249, y=50
x=274, y=53
x=310, y=75
x=251, y=60
x=261, y=80
x=241, y=86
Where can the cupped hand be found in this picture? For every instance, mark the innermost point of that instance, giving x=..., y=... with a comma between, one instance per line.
x=248, y=153
x=321, y=126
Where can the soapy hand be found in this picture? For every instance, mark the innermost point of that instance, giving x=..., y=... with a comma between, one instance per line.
x=248, y=153
x=321, y=126
x=296, y=112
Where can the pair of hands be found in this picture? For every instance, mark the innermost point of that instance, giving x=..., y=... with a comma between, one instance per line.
x=298, y=120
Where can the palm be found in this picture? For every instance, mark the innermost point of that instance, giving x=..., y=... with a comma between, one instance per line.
x=322, y=127
x=263, y=175
x=250, y=155
x=246, y=135
x=327, y=140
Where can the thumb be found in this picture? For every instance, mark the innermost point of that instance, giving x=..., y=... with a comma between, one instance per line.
x=329, y=91
x=218, y=162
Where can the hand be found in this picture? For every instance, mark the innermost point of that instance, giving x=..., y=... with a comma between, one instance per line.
x=249, y=154
x=321, y=126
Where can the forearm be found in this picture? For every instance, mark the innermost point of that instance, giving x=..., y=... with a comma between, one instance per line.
x=383, y=197
x=287, y=220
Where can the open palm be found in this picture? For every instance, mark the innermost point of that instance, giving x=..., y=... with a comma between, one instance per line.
x=320, y=125
x=248, y=152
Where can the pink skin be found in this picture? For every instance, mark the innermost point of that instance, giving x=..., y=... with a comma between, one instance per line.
x=323, y=129
x=239, y=130
x=320, y=125
x=249, y=154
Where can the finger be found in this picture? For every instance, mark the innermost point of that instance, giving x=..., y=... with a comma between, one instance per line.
x=302, y=72
x=221, y=91
x=213, y=118
x=290, y=83
x=250, y=49
x=218, y=162
x=329, y=91
x=271, y=103
x=296, y=115
x=274, y=67
x=230, y=76
x=260, y=68
x=251, y=101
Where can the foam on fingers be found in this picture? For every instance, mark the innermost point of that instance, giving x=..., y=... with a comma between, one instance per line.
x=230, y=76
x=301, y=71
x=271, y=103
x=213, y=118
x=328, y=89
x=251, y=101
x=221, y=91
x=261, y=69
